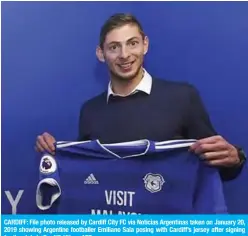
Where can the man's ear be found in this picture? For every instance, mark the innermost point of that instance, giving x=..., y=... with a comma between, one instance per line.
x=146, y=44
x=99, y=54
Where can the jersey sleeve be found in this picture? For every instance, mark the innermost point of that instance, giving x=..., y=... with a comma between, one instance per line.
x=209, y=195
x=48, y=188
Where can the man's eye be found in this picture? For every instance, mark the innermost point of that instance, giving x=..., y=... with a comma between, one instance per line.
x=114, y=47
x=133, y=43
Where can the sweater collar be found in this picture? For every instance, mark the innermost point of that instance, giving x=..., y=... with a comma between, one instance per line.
x=145, y=85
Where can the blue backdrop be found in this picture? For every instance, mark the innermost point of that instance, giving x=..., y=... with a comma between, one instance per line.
x=49, y=69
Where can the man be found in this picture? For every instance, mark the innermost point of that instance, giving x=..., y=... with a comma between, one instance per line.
x=138, y=106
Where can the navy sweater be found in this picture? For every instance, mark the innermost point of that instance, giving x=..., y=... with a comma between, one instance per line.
x=173, y=110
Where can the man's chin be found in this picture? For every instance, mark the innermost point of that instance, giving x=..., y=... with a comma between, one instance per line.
x=126, y=76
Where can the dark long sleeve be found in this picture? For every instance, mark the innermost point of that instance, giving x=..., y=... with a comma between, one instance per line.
x=200, y=126
x=83, y=131
x=171, y=110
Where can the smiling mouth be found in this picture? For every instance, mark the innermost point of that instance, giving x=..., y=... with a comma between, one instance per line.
x=126, y=65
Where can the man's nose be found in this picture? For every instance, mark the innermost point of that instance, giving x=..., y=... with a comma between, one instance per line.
x=124, y=53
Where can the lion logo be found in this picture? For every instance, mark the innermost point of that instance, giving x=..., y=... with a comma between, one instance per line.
x=48, y=165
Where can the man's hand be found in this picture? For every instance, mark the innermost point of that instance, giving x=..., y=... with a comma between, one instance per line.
x=216, y=151
x=45, y=142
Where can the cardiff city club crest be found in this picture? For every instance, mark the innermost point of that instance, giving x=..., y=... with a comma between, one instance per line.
x=48, y=165
x=153, y=182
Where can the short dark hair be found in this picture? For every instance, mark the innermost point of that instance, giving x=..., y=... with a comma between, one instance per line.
x=118, y=20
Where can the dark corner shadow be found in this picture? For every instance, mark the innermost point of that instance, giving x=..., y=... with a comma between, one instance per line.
x=101, y=73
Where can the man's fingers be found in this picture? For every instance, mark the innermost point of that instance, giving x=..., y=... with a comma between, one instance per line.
x=209, y=140
x=42, y=144
x=216, y=151
x=210, y=156
x=38, y=147
x=219, y=162
x=206, y=147
x=212, y=139
x=49, y=142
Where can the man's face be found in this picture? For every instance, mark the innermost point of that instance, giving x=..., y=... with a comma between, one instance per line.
x=124, y=50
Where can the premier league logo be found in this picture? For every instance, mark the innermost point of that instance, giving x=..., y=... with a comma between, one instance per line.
x=153, y=182
x=47, y=165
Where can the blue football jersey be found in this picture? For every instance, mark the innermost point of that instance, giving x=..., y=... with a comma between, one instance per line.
x=140, y=177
